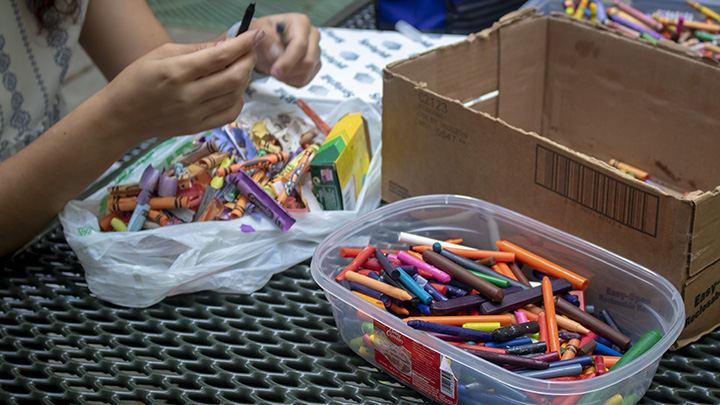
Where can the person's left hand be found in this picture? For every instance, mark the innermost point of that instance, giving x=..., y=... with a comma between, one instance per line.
x=294, y=60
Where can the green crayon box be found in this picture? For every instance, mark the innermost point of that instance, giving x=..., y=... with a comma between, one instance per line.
x=339, y=167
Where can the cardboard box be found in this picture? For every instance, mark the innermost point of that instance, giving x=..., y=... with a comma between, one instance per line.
x=572, y=96
x=339, y=166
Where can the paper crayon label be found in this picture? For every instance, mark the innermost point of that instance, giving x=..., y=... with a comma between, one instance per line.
x=413, y=362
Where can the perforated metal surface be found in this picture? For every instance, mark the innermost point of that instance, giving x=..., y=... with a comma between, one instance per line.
x=62, y=345
x=280, y=345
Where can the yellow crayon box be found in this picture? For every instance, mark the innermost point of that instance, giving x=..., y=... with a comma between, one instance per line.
x=339, y=167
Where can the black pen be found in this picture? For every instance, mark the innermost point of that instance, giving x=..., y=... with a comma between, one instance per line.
x=249, y=11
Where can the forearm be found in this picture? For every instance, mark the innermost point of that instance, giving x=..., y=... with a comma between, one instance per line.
x=39, y=180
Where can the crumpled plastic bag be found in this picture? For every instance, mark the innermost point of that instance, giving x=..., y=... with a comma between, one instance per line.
x=139, y=269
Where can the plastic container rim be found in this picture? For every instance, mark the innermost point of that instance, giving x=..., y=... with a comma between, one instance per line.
x=504, y=376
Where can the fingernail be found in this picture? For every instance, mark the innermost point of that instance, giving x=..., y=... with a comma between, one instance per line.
x=276, y=73
x=259, y=35
x=221, y=41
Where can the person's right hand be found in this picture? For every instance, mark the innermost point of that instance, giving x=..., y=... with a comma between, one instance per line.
x=180, y=89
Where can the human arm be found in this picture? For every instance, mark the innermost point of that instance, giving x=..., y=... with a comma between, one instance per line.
x=172, y=90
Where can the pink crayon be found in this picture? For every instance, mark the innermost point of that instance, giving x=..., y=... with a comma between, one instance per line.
x=437, y=274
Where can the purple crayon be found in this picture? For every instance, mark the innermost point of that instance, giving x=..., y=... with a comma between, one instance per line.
x=636, y=27
x=266, y=204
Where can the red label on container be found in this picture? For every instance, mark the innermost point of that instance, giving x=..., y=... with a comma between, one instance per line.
x=415, y=363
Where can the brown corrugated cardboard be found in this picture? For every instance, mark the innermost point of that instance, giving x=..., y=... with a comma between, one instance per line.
x=592, y=95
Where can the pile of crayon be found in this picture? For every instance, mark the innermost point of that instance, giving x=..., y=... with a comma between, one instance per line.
x=483, y=302
x=252, y=165
x=702, y=36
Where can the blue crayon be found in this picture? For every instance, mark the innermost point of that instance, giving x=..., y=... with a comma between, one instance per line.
x=581, y=360
x=455, y=291
x=408, y=281
x=605, y=351
x=437, y=295
x=603, y=341
x=509, y=343
x=424, y=309
x=370, y=292
x=600, y=12
x=476, y=335
x=553, y=372
x=606, y=317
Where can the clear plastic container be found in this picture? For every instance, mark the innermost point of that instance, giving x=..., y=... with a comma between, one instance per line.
x=668, y=8
x=639, y=299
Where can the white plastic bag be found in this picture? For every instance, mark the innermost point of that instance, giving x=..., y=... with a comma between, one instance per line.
x=138, y=269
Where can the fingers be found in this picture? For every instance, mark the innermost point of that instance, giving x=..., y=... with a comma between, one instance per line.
x=235, y=77
x=221, y=110
x=204, y=59
x=301, y=57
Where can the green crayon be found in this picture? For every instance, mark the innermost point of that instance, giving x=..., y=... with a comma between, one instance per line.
x=492, y=279
x=647, y=341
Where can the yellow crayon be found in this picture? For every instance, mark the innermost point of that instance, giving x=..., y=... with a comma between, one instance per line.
x=704, y=10
x=118, y=225
x=580, y=12
x=483, y=326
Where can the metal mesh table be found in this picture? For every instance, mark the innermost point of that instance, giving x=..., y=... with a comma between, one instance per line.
x=60, y=344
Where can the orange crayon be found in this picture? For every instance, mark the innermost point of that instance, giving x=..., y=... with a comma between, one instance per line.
x=104, y=222
x=624, y=167
x=571, y=349
x=158, y=217
x=322, y=125
x=474, y=254
x=503, y=269
x=259, y=162
x=371, y=300
x=389, y=290
x=553, y=341
x=542, y=265
x=542, y=333
x=398, y=309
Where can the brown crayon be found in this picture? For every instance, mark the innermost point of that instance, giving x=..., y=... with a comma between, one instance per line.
x=493, y=292
x=213, y=160
x=199, y=152
x=599, y=327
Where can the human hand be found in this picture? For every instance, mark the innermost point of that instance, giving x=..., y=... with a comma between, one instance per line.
x=181, y=89
x=294, y=61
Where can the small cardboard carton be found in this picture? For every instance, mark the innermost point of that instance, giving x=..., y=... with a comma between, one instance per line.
x=339, y=167
x=572, y=96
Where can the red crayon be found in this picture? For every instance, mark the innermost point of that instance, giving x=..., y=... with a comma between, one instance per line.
x=353, y=252
x=358, y=261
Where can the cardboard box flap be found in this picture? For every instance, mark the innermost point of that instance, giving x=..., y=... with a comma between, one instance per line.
x=704, y=248
x=458, y=78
